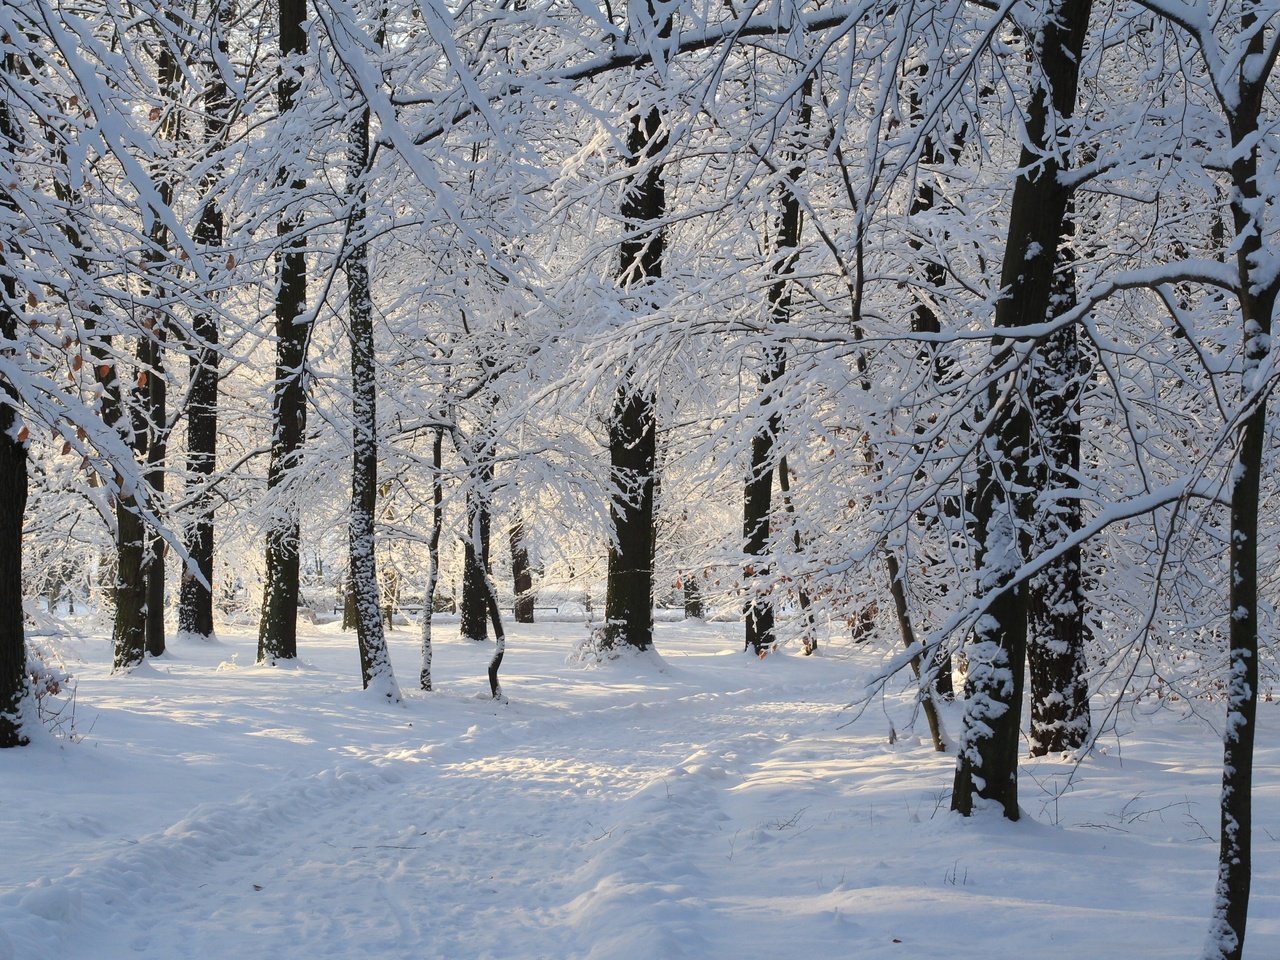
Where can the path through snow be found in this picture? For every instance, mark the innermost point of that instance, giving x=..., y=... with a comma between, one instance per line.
x=704, y=805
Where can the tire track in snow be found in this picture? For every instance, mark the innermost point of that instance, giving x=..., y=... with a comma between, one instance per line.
x=574, y=836
x=119, y=902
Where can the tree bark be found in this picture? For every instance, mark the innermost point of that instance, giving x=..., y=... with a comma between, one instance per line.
x=927, y=693
x=123, y=571
x=521, y=574
x=1057, y=629
x=1259, y=292
x=278, y=629
x=924, y=319
x=808, y=632
x=375, y=660
x=474, y=610
x=14, y=683
x=694, y=608
x=628, y=607
x=433, y=556
x=757, y=499
x=195, y=604
x=151, y=354
x=987, y=763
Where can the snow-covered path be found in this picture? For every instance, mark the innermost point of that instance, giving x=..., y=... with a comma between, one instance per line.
x=703, y=806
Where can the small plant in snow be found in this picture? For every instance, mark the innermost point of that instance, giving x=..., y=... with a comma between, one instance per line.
x=592, y=649
x=53, y=690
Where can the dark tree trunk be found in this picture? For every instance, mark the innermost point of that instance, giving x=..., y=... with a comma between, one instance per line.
x=474, y=611
x=499, y=640
x=14, y=688
x=390, y=596
x=628, y=607
x=130, y=629
x=1259, y=293
x=757, y=499
x=694, y=608
x=924, y=319
x=349, y=615
x=899, y=592
x=152, y=393
x=521, y=574
x=278, y=630
x=195, y=603
x=433, y=556
x=809, y=632
x=129, y=634
x=375, y=660
x=122, y=578
x=157, y=449
x=987, y=764
x=1057, y=629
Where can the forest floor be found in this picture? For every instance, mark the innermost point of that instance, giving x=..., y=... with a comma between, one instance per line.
x=697, y=804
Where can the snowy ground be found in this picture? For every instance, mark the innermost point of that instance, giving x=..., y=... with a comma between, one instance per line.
x=703, y=805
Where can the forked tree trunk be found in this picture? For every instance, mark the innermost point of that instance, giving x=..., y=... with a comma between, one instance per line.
x=987, y=763
x=278, y=629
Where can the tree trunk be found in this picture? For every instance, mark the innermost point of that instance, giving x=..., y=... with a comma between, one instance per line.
x=521, y=574
x=195, y=604
x=278, y=629
x=499, y=642
x=987, y=764
x=694, y=608
x=349, y=615
x=151, y=354
x=129, y=634
x=924, y=319
x=130, y=628
x=122, y=571
x=757, y=499
x=375, y=660
x=808, y=632
x=928, y=691
x=1259, y=292
x=433, y=556
x=14, y=683
x=157, y=449
x=628, y=607
x=474, y=612
x=1057, y=629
